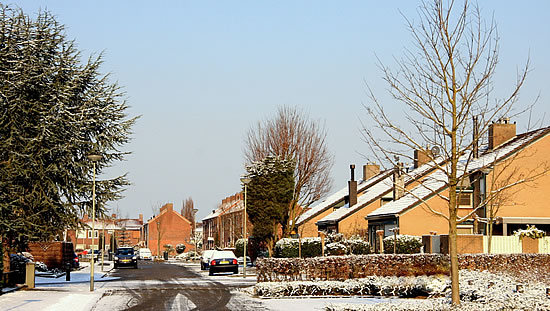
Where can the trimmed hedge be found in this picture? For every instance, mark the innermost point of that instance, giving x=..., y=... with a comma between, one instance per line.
x=335, y=244
x=339, y=268
x=406, y=244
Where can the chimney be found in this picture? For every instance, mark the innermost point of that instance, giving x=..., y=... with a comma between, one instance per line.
x=421, y=157
x=141, y=217
x=500, y=132
x=114, y=216
x=370, y=170
x=398, y=182
x=352, y=186
x=167, y=207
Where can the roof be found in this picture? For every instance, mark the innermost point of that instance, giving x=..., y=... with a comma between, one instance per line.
x=437, y=180
x=380, y=185
x=228, y=207
x=338, y=196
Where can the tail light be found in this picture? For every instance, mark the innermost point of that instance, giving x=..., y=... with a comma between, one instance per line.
x=234, y=261
x=76, y=259
x=213, y=263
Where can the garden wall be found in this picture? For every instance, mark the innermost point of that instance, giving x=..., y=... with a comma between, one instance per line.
x=338, y=268
x=53, y=254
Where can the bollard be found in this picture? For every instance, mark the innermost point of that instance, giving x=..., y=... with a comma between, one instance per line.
x=29, y=275
x=68, y=271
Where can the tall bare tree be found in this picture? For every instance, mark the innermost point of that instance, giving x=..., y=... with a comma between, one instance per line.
x=187, y=210
x=291, y=135
x=442, y=82
x=158, y=225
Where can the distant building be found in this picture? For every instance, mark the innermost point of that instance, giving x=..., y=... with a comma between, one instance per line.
x=168, y=227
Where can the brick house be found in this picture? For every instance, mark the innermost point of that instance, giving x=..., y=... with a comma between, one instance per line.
x=126, y=232
x=224, y=226
x=170, y=227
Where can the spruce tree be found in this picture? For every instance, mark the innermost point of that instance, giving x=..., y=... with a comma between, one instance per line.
x=55, y=110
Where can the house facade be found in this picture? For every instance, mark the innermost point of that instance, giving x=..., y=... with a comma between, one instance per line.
x=121, y=232
x=508, y=181
x=224, y=226
x=168, y=227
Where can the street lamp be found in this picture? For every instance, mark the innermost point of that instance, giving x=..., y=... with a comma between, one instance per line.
x=245, y=181
x=94, y=158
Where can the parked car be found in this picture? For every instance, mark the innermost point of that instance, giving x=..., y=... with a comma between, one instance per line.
x=205, y=258
x=145, y=254
x=125, y=256
x=223, y=261
x=240, y=260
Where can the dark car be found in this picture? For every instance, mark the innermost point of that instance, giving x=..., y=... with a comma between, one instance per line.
x=125, y=256
x=223, y=261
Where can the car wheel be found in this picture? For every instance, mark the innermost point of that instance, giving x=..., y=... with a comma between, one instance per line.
x=135, y=266
x=115, y=266
x=211, y=271
x=202, y=266
x=236, y=271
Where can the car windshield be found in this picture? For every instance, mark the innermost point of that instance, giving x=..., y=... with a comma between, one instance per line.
x=125, y=251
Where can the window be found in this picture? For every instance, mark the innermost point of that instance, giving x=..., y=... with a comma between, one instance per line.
x=464, y=199
x=96, y=235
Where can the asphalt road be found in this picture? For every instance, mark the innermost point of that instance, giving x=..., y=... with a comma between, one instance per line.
x=169, y=286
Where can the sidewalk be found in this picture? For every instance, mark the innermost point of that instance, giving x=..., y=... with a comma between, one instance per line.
x=57, y=294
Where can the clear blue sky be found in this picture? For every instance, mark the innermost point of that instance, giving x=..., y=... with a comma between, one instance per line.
x=201, y=73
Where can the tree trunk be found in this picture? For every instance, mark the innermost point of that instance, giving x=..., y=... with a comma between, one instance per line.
x=453, y=248
x=490, y=235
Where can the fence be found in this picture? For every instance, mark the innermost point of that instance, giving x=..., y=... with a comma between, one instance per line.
x=503, y=245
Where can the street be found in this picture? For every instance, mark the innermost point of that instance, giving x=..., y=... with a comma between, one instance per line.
x=162, y=286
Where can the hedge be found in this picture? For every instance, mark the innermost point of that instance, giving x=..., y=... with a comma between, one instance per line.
x=339, y=268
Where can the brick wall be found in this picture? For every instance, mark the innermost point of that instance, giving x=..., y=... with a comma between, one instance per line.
x=53, y=254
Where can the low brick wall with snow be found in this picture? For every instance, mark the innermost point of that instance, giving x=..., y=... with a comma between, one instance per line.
x=339, y=268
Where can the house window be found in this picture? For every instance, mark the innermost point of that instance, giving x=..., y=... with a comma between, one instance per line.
x=96, y=235
x=464, y=199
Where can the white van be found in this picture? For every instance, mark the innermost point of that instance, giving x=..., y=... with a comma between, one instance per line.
x=144, y=254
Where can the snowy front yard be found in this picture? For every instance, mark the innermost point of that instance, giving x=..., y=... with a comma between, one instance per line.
x=479, y=291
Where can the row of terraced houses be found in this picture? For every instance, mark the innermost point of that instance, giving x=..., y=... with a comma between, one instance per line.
x=411, y=197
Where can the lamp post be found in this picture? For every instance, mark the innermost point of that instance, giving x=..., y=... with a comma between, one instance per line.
x=94, y=158
x=245, y=181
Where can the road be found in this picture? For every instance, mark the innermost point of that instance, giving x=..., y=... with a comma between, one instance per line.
x=170, y=286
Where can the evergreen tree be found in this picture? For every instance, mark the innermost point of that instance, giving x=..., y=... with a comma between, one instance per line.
x=54, y=111
x=269, y=193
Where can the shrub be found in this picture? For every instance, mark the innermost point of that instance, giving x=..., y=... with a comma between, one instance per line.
x=286, y=248
x=239, y=247
x=334, y=238
x=335, y=249
x=357, y=246
x=180, y=248
x=530, y=232
x=406, y=244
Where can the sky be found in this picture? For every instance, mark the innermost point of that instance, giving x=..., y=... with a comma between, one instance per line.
x=202, y=73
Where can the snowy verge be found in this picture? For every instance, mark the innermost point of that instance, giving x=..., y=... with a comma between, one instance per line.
x=478, y=291
x=370, y=286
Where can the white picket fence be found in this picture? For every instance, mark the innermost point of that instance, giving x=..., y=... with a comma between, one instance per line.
x=512, y=245
x=544, y=245
x=502, y=245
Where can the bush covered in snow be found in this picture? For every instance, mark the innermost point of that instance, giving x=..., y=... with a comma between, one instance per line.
x=357, y=246
x=406, y=244
x=335, y=249
x=530, y=232
x=289, y=248
x=180, y=248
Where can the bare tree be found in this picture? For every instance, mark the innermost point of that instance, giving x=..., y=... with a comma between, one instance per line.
x=187, y=210
x=158, y=224
x=291, y=135
x=443, y=82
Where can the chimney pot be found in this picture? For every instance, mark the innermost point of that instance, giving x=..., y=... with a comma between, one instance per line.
x=352, y=168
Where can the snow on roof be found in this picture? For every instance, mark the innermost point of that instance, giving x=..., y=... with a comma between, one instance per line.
x=228, y=207
x=437, y=180
x=379, y=188
x=337, y=197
